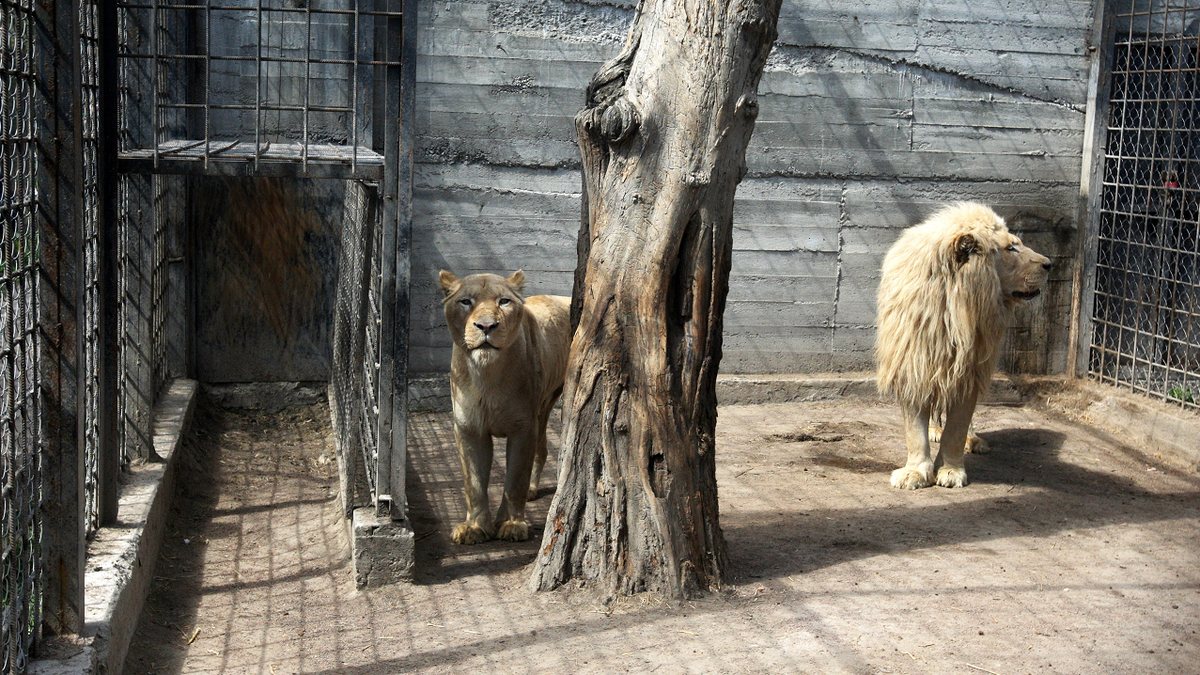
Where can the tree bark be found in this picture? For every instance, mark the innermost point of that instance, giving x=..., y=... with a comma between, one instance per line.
x=663, y=140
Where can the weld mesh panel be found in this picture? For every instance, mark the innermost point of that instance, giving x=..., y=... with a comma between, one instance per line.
x=20, y=523
x=256, y=86
x=354, y=377
x=1146, y=318
x=89, y=318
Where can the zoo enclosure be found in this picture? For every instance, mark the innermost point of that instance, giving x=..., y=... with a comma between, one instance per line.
x=315, y=90
x=105, y=106
x=1145, y=327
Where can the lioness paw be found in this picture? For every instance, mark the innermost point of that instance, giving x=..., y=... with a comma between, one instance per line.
x=513, y=530
x=952, y=477
x=935, y=434
x=912, y=479
x=468, y=533
x=977, y=446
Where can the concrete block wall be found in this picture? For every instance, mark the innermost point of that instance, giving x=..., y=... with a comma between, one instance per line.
x=872, y=114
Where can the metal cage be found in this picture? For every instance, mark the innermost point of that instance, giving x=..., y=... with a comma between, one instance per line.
x=1146, y=315
x=316, y=89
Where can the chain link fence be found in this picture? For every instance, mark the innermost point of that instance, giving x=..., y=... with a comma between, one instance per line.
x=21, y=522
x=1146, y=318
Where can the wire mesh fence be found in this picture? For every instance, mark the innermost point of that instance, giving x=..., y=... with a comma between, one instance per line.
x=20, y=522
x=159, y=88
x=284, y=88
x=258, y=87
x=89, y=324
x=1146, y=318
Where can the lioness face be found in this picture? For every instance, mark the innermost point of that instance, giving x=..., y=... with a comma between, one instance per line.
x=483, y=311
x=1023, y=271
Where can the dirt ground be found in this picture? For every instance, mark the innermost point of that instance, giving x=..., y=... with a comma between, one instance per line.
x=1070, y=552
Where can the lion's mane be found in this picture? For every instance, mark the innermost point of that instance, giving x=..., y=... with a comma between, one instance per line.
x=941, y=311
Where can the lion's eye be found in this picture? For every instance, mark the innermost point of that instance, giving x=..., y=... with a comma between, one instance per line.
x=1012, y=248
x=505, y=302
x=465, y=302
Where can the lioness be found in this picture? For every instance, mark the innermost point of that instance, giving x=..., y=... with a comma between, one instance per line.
x=946, y=293
x=506, y=373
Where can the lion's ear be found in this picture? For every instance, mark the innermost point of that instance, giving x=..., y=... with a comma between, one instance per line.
x=964, y=246
x=517, y=281
x=448, y=282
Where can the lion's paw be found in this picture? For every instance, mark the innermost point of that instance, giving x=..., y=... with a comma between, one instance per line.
x=977, y=446
x=469, y=533
x=952, y=477
x=913, y=479
x=513, y=530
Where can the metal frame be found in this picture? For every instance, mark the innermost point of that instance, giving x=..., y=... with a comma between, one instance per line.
x=208, y=148
x=202, y=130
x=21, y=353
x=1139, y=274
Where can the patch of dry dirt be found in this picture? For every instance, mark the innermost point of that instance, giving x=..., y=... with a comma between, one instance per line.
x=1070, y=552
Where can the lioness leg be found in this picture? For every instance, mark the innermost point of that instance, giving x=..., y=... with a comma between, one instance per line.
x=975, y=444
x=510, y=517
x=952, y=472
x=539, y=455
x=918, y=471
x=475, y=454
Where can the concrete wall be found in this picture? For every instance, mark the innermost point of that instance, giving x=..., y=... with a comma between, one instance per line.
x=872, y=113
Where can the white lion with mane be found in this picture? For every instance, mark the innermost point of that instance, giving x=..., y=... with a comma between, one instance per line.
x=946, y=294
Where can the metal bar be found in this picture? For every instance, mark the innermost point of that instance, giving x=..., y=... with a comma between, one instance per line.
x=387, y=289
x=251, y=59
x=1091, y=187
x=258, y=80
x=154, y=75
x=278, y=9
x=403, y=146
x=60, y=176
x=354, y=85
x=109, y=131
x=307, y=79
x=245, y=167
x=207, y=81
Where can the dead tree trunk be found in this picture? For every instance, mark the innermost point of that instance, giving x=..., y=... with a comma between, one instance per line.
x=663, y=139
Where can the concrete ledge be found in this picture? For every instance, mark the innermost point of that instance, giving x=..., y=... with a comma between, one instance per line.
x=1152, y=426
x=758, y=389
x=121, y=558
x=382, y=549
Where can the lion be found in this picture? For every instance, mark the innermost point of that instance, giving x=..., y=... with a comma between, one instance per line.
x=945, y=297
x=506, y=373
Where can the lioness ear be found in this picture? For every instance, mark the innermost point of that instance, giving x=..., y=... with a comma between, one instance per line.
x=448, y=281
x=517, y=280
x=964, y=246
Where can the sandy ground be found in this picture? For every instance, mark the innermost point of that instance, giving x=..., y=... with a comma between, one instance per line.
x=1070, y=552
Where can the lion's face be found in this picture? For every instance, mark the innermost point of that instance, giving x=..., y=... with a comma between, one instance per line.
x=483, y=311
x=1023, y=271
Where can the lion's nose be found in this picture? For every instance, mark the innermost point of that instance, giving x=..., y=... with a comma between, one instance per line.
x=1047, y=265
x=486, y=327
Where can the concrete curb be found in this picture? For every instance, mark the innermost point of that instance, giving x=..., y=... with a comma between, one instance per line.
x=1152, y=426
x=121, y=560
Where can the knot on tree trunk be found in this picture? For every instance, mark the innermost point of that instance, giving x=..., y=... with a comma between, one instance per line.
x=619, y=121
